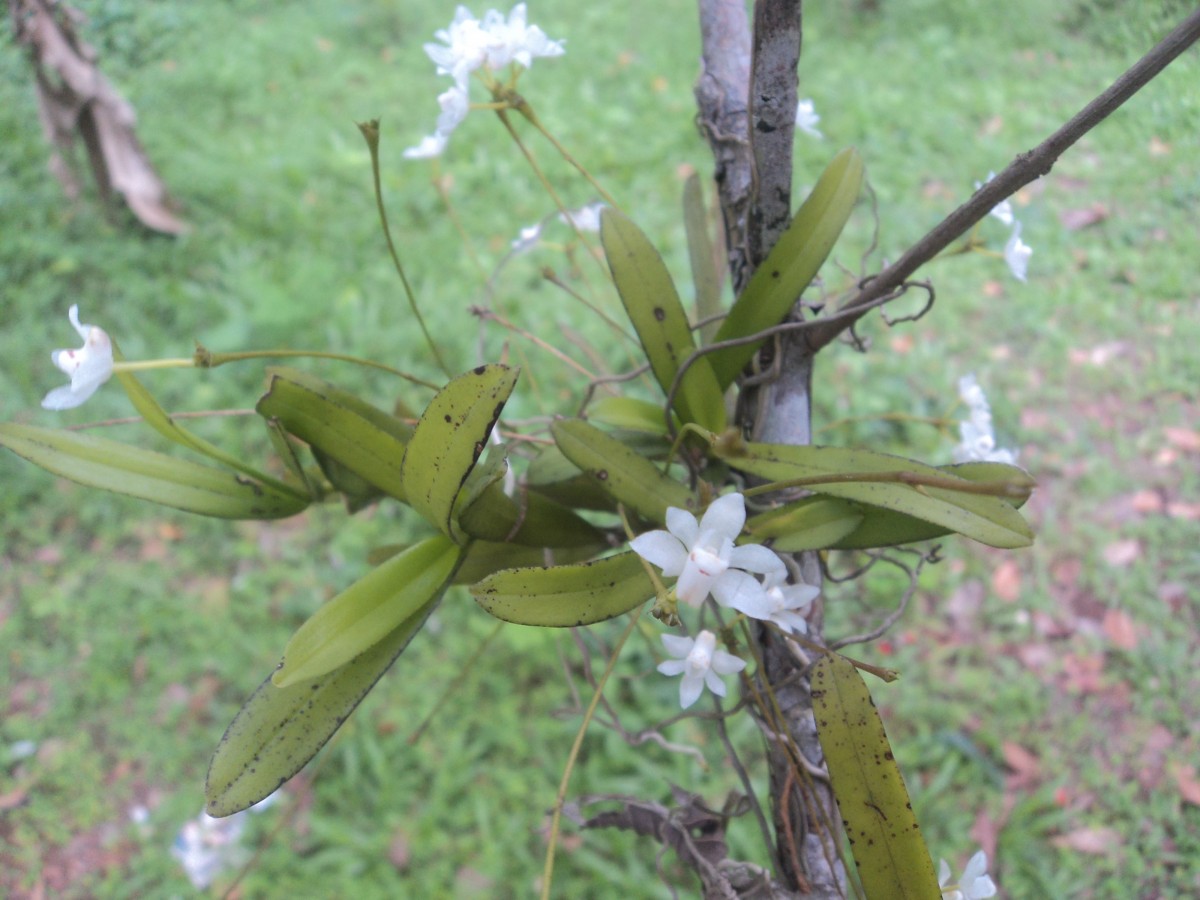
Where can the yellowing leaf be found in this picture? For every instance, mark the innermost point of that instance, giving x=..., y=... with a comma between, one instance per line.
x=889, y=852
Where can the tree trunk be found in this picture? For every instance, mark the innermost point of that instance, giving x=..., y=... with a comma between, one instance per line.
x=747, y=100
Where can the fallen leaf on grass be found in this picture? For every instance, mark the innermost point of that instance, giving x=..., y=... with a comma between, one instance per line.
x=1006, y=581
x=1026, y=767
x=1152, y=757
x=1147, y=501
x=1119, y=629
x=1075, y=219
x=1185, y=439
x=1100, y=355
x=1189, y=511
x=1096, y=841
x=1159, y=147
x=1123, y=553
x=1187, y=782
x=1083, y=673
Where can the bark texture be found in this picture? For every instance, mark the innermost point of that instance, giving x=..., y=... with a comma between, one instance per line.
x=747, y=94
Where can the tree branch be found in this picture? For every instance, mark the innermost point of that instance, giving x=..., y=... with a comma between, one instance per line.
x=1025, y=168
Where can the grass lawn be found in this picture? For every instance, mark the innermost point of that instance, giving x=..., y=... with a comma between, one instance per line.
x=1048, y=706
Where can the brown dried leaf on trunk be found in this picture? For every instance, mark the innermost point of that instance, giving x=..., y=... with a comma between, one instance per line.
x=76, y=101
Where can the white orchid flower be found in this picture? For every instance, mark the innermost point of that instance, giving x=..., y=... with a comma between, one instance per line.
x=978, y=441
x=586, y=218
x=975, y=883
x=1017, y=253
x=775, y=601
x=703, y=554
x=807, y=119
x=469, y=44
x=89, y=366
x=700, y=663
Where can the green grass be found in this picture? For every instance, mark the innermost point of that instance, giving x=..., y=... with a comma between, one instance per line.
x=130, y=635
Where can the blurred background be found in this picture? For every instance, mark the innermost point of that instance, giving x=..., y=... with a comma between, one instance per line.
x=1047, y=709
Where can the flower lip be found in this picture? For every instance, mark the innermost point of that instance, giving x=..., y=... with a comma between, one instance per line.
x=89, y=366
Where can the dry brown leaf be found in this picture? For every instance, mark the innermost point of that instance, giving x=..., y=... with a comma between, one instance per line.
x=1006, y=581
x=1123, y=553
x=1147, y=501
x=991, y=127
x=399, y=850
x=1083, y=673
x=1189, y=511
x=1075, y=219
x=1186, y=439
x=1026, y=767
x=1119, y=629
x=1096, y=841
x=1187, y=782
x=1100, y=355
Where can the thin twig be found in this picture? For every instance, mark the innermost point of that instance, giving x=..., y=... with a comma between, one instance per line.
x=1026, y=168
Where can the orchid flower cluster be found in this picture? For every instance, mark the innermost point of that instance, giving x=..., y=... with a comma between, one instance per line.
x=584, y=219
x=1016, y=251
x=469, y=44
x=703, y=556
x=978, y=442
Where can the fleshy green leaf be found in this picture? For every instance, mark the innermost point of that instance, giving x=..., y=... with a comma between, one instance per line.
x=888, y=528
x=278, y=730
x=449, y=438
x=367, y=611
x=625, y=475
x=566, y=596
x=484, y=558
x=809, y=524
x=628, y=413
x=341, y=428
x=123, y=469
x=792, y=263
x=552, y=475
x=889, y=852
x=705, y=276
x=157, y=418
x=984, y=518
x=537, y=522
x=662, y=326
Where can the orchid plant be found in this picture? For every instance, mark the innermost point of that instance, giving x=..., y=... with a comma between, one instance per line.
x=593, y=515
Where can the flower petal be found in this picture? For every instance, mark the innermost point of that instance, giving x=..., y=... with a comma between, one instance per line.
x=661, y=549
x=756, y=558
x=678, y=645
x=737, y=590
x=714, y=682
x=672, y=667
x=683, y=525
x=693, y=585
x=725, y=663
x=689, y=689
x=726, y=515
